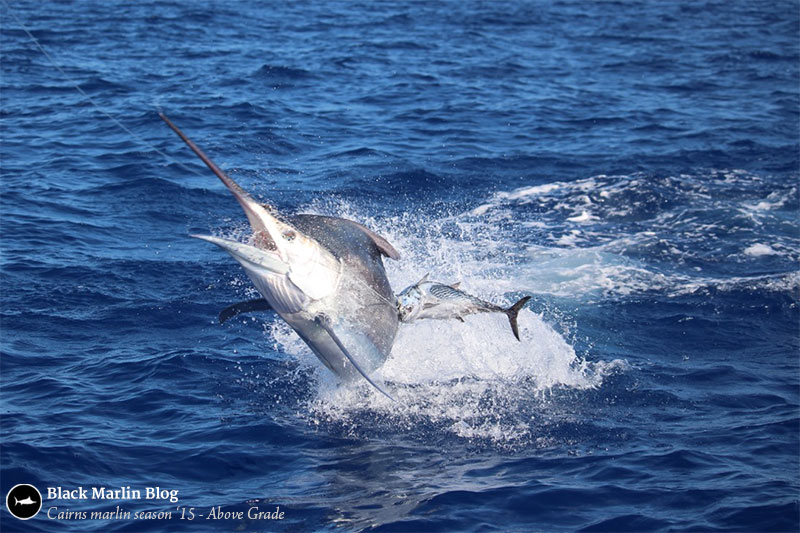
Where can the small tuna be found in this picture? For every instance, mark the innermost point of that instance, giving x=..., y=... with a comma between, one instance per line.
x=430, y=299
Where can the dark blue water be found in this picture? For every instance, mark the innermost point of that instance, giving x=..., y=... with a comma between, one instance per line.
x=632, y=166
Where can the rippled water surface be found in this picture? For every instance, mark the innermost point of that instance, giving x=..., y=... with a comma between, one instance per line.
x=631, y=166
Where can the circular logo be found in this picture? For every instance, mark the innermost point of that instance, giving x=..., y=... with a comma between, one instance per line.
x=24, y=501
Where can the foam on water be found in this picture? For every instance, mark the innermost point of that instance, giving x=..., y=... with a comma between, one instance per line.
x=615, y=236
x=759, y=249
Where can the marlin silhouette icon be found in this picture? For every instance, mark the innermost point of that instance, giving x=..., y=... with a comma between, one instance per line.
x=24, y=501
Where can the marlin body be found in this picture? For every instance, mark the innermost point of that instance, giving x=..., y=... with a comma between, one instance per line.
x=431, y=299
x=25, y=501
x=323, y=275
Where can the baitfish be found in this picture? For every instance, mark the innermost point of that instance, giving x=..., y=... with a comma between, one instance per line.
x=431, y=299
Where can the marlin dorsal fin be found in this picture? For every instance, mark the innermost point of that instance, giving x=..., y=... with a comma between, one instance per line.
x=382, y=244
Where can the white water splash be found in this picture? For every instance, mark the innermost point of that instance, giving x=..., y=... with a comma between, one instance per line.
x=471, y=379
x=474, y=379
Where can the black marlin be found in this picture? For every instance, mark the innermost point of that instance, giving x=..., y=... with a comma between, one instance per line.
x=323, y=275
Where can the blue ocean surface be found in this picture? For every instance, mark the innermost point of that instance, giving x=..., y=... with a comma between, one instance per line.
x=632, y=166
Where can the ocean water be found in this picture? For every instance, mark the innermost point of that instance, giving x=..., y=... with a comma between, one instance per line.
x=633, y=166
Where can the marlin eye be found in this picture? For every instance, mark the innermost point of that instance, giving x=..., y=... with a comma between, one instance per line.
x=288, y=235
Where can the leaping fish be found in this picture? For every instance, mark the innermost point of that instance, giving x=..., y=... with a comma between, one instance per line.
x=323, y=275
x=431, y=299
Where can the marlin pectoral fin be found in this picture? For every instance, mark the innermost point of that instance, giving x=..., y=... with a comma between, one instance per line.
x=248, y=306
x=325, y=323
x=461, y=319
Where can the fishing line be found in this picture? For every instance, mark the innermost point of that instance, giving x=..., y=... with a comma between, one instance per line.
x=83, y=93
